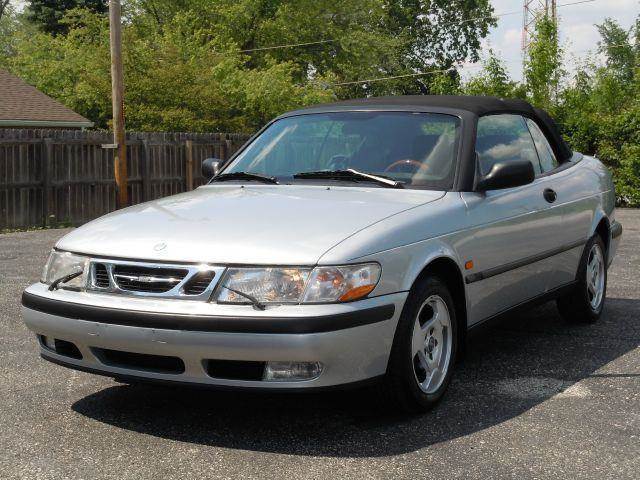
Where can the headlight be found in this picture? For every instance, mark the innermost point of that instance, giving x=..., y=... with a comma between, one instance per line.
x=61, y=264
x=268, y=285
x=299, y=285
x=341, y=284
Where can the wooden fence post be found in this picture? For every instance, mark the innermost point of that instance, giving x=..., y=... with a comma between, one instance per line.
x=228, y=149
x=145, y=159
x=189, y=165
x=47, y=172
x=223, y=150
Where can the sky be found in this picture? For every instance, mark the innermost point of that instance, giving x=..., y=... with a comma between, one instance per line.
x=578, y=33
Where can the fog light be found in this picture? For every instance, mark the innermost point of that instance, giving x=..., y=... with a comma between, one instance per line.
x=292, y=371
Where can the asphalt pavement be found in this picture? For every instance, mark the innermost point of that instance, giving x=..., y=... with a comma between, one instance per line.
x=534, y=398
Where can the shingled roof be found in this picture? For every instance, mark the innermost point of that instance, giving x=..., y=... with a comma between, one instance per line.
x=22, y=105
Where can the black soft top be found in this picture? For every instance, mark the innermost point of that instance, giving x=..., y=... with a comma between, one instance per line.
x=477, y=105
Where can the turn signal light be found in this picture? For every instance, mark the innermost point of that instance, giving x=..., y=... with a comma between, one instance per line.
x=357, y=292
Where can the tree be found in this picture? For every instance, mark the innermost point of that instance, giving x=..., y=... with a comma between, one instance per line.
x=203, y=65
x=617, y=47
x=4, y=4
x=175, y=80
x=361, y=39
x=431, y=35
x=600, y=110
x=543, y=66
x=494, y=80
x=48, y=14
x=8, y=26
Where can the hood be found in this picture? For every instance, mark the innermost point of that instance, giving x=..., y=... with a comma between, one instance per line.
x=242, y=224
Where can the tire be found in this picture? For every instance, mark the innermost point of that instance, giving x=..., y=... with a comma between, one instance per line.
x=426, y=336
x=584, y=304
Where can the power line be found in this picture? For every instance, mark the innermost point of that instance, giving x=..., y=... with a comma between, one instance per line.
x=418, y=74
x=274, y=47
x=444, y=70
x=446, y=24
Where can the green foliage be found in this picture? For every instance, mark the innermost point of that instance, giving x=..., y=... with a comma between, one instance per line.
x=49, y=14
x=619, y=51
x=175, y=79
x=543, y=66
x=494, y=80
x=600, y=110
x=4, y=8
x=200, y=65
x=75, y=67
x=8, y=25
x=619, y=147
x=365, y=38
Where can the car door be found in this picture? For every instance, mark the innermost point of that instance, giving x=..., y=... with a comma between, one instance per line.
x=514, y=232
x=572, y=201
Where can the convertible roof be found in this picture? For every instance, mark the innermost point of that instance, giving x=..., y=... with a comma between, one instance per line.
x=474, y=104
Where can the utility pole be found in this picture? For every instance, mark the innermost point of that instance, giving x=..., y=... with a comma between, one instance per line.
x=117, y=101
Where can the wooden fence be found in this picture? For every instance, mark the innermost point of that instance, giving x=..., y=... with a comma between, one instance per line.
x=53, y=177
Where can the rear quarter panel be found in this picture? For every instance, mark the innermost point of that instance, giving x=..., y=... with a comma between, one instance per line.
x=586, y=194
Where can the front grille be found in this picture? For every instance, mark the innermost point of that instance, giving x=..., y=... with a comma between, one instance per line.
x=140, y=361
x=101, y=276
x=199, y=282
x=136, y=278
x=146, y=279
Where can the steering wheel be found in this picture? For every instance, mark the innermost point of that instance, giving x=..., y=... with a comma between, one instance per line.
x=338, y=162
x=405, y=162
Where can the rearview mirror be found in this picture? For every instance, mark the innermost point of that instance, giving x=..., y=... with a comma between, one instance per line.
x=506, y=175
x=211, y=167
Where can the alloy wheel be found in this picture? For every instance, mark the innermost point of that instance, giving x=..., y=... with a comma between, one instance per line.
x=595, y=276
x=431, y=344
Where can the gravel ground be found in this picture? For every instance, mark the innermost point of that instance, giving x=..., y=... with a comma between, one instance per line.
x=535, y=398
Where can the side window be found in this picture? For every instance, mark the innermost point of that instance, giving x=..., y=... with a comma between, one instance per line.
x=548, y=159
x=504, y=138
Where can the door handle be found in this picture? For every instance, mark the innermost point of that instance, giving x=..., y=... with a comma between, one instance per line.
x=549, y=195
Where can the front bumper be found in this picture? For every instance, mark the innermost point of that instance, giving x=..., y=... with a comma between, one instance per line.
x=616, y=236
x=352, y=341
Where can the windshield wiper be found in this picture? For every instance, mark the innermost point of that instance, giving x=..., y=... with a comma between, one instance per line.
x=256, y=303
x=350, y=174
x=244, y=176
x=57, y=283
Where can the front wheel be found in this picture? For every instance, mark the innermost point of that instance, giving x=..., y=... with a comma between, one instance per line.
x=424, y=349
x=584, y=304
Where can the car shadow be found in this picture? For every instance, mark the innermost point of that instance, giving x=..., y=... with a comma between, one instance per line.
x=508, y=369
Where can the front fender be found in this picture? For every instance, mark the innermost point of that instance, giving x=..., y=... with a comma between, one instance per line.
x=401, y=266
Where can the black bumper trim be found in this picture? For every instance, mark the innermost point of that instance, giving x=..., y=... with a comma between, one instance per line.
x=135, y=379
x=208, y=323
x=616, y=229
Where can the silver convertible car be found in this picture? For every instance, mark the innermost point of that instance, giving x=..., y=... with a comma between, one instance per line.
x=344, y=244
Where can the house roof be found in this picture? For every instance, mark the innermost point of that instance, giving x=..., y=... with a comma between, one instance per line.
x=22, y=105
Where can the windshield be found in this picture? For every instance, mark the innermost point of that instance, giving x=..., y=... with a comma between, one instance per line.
x=415, y=149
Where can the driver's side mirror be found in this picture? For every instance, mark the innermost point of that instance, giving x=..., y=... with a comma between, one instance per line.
x=506, y=175
x=211, y=167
